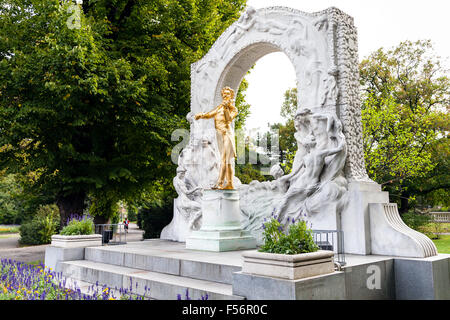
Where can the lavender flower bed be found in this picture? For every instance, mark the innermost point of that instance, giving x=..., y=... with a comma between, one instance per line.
x=21, y=281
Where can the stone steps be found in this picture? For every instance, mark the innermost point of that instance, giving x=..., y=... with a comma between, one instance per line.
x=181, y=264
x=163, y=286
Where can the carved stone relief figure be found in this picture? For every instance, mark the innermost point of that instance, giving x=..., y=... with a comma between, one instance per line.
x=271, y=27
x=244, y=23
x=258, y=199
x=204, y=70
x=210, y=163
x=187, y=207
x=321, y=23
x=297, y=33
x=329, y=88
x=324, y=156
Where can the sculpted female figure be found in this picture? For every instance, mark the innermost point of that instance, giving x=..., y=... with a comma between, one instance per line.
x=313, y=164
x=223, y=115
x=189, y=209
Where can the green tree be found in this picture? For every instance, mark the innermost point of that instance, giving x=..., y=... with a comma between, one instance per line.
x=405, y=101
x=242, y=106
x=289, y=106
x=89, y=109
x=286, y=139
x=287, y=143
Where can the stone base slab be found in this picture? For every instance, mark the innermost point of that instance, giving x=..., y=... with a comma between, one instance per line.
x=367, y=277
x=364, y=278
x=285, y=266
x=54, y=256
x=219, y=241
x=323, y=287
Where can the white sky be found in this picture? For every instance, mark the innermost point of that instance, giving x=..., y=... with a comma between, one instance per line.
x=380, y=23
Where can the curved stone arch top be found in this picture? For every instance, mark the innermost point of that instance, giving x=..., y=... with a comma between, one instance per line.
x=321, y=46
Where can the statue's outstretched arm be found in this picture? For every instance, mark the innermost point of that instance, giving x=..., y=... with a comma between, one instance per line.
x=293, y=172
x=207, y=115
x=179, y=186
x=193, y=190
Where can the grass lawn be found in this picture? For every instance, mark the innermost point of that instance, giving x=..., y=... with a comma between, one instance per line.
x=443, y=244
x=9, y=229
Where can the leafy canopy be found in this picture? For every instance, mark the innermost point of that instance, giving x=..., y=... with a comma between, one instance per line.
x=405, y=103
x=90, y=110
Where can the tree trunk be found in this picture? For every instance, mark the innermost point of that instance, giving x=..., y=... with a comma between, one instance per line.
x=101, y=220
x=72, y=204
x=404, y=202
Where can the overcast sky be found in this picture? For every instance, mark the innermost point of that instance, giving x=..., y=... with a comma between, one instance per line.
x=380, y=23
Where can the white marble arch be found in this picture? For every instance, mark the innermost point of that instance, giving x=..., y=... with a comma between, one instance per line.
x=323, y=49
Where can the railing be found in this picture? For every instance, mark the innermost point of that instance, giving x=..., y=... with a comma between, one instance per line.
x=440, y=216
x=112, y=234
x=332, y=240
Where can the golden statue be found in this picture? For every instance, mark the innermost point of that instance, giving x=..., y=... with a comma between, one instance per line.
x=223, y=115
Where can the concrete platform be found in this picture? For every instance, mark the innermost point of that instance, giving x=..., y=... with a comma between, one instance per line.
x=168, y=269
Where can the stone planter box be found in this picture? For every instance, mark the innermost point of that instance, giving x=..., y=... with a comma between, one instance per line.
x=285, y=266
x=80, y=241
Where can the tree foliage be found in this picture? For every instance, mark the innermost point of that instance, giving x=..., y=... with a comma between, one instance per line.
x=406, y=98
x=89, y=110
x=290, y=105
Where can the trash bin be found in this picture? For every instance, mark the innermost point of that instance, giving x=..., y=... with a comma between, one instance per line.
x=106, y=236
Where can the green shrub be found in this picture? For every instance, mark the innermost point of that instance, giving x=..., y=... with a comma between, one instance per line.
x=419, y=222
x=82, y=226
x=10, y=206
x=297, y=239
x=153, y=219
x=7, y=214
x=40, y=229
x=416, y=221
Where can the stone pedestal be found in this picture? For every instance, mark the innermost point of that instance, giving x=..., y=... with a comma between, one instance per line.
x=355, y=220
x=221, y=224
x=69, y=248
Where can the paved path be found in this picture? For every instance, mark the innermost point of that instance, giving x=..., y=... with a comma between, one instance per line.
x=10, y=248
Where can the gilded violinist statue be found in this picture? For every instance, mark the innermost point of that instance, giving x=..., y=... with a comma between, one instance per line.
x=223, y=115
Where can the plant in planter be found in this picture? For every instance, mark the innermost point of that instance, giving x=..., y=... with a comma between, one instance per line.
x=79, y=232
x=290, y=254
x=78, y=226
x=297, y=239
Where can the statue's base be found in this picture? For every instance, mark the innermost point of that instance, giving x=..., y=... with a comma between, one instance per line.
x=220, y=240
x=221, y=224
